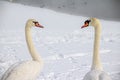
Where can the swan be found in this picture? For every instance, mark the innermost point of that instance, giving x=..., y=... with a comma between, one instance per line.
x=26, y=70
x=96, y=72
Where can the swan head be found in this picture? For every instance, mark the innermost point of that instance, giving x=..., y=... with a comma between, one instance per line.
x=33, y=22
x=91, y=22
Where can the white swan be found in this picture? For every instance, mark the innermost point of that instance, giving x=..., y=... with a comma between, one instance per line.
x=27, y=70
x=96, y=72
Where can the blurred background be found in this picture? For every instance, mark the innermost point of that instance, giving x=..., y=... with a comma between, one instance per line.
x=104, y=9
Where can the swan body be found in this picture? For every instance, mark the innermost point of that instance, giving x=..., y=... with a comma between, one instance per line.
x=96, y=72
x=26, y=70
x=96, y=75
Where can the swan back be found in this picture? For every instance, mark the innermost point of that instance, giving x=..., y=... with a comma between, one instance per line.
x=27, y=70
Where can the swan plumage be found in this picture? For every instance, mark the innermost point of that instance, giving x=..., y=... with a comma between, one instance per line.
x=26, y=70
x=96, y=72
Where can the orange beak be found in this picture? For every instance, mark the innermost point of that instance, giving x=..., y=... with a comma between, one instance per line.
x=38, y=25
x=85, y=25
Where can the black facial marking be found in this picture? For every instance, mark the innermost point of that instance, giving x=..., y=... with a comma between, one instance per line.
x=87, y=21
x=35, y=22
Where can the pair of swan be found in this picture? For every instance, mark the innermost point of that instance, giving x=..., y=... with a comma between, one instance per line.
x=29, y=70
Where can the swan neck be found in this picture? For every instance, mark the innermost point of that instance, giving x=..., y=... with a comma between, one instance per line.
x=35, y=56
x=96, y=64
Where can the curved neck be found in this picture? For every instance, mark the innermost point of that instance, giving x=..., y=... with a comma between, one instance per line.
x=32, y=50
x=96, y=63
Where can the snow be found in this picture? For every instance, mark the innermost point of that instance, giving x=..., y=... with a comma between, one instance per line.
x=64, y=46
